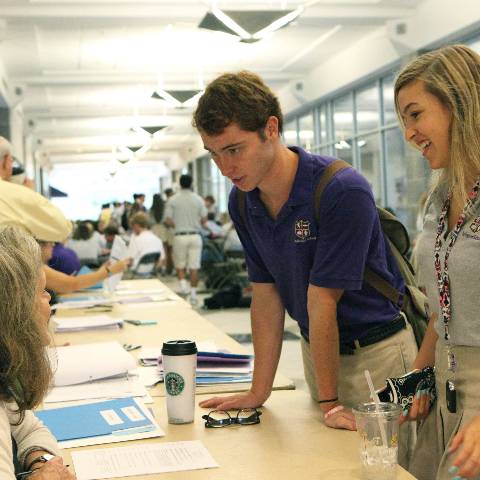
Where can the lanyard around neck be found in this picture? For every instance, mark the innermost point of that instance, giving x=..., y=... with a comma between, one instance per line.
x=443, y=279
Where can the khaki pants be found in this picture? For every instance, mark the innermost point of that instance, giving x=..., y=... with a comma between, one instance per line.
x=430, y=460
x=392, y=357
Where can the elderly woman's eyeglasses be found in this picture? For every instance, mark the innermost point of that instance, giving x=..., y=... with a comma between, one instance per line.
x=222, y=418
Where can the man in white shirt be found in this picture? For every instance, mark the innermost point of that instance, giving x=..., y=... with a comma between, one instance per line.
x=186, y=212
x=142, y=242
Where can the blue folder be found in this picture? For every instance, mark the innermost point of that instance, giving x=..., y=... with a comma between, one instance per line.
x=82, y=421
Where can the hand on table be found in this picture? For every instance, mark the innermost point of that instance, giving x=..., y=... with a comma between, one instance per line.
x=52, y=470
x=467, y=462
x=343, y=419
x=239, y=401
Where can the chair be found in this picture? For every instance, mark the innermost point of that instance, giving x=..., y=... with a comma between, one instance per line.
x=146, y=266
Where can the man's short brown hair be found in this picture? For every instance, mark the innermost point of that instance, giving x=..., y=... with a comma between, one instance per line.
x=240, y=98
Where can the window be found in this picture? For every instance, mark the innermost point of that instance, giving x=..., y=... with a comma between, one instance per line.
x=290, y=133
x=407, y=176
x=369, y=155
x=324, y=125
x=306, y=131
x=390, y=117
x=343, y=117
x=368, y=109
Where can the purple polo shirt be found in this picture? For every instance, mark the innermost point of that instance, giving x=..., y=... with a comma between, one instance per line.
x=64, y=260
x=292, y=252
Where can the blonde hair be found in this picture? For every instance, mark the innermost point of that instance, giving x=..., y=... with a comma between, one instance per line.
x=140, y=219
x=25, y=370
x=452, y=74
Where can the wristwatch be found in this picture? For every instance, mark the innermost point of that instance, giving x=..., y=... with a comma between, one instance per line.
x=46, y=457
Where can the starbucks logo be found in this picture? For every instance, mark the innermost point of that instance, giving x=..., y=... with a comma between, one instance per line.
x=174, y=383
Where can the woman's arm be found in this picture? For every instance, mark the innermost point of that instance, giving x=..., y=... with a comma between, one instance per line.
x=61, y=283
x=426, y=354
x=32, y=437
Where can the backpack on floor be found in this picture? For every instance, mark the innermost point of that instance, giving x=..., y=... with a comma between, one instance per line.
x=413, y=302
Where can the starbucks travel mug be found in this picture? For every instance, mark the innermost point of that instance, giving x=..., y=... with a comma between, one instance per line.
x=179, y=358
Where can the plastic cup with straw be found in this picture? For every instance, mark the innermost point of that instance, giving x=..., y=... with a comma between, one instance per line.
x=376, y=400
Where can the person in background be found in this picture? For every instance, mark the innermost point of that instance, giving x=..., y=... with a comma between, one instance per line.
x=185, y=212
x=210, y=206
x=437, y=98
x=105, y=217
x=117, y=213
x=127, y=206
x=58, y=282
x=85, y=244
x=211, y=228
x=25, y=371
x=138, y=205
x=26, y=208
x=64, y=260
x=110, y=232
x=156, y=215
x=157, y=226
x=142, y=241
x=169, y=236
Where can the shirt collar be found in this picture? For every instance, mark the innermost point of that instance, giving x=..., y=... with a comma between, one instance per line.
x=301, y=192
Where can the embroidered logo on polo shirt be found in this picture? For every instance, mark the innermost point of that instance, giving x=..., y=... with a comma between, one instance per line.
x=302, y=231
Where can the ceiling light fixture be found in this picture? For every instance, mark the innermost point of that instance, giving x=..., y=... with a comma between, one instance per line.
x=178, y=98
x=250, y=25
x=134, y=148
x=152, y=130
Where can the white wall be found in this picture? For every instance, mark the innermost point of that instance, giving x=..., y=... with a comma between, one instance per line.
x=434, y=20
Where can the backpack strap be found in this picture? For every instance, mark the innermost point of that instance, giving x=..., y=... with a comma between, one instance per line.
x=241, y=204
x=382, y=286
x=330, y=171
x=372, y=278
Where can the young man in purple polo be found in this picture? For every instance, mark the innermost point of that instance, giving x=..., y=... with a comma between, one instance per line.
x=315, y=272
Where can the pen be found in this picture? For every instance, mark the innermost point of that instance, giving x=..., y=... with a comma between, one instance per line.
x=141, y=322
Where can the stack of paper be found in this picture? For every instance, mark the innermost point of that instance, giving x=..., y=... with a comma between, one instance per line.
x=76, y=364
x=212, y=367
x=82, y=302
x=92, y=322
x=128, y=386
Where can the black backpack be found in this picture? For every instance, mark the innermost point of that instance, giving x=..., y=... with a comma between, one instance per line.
x=414, y=304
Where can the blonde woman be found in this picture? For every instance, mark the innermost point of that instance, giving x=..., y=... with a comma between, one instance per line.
x=437, y=99
x=25, y=444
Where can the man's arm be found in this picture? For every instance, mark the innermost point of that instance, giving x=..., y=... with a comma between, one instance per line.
x=324, y=346
x=268, y=316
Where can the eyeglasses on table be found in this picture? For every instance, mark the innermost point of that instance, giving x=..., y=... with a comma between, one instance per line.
x=222, y=418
